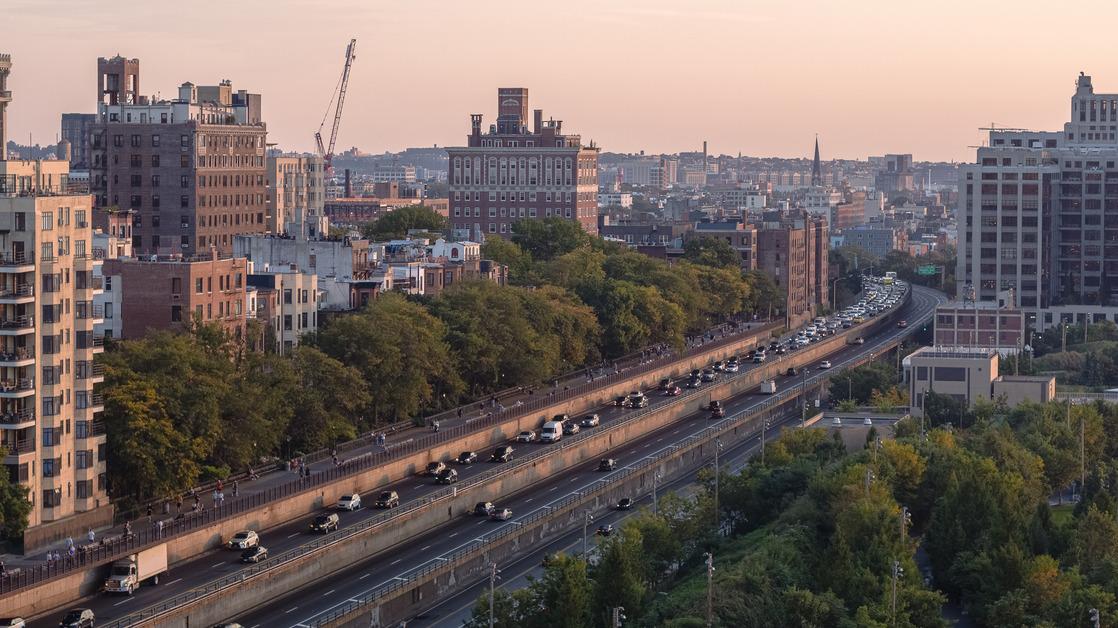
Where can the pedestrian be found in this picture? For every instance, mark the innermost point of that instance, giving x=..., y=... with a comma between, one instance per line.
x=149, y=513
x=91, y=535
x=127, y=528
x=436, y=426
x=69, y=541
x=178, y=504
x=72, y=552
x=235, y=487
x=335, y=457
x=220, y=485
x=57, y=557
x=214, y=496
x=459, y=412
x=166, y=507
x=159, y=529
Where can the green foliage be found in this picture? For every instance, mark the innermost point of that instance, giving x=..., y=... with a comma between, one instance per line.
x=398, y=222
x=709, y=251
x=498, y=249
x=549, y=238
x=860, y=383
x=15, y=508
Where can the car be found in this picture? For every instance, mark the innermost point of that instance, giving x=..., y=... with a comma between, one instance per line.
x=607, y=464
x=836, y=421
x=859, y=319
x=78, y=618
x=561, y=418
x=791, y=371
x=527, y=436
x=388, y=499
x=604, y=530
x=825, y=364
x=847, y=324
x=717, y=410
x=446, y=476
x=435, y=468
x=665, y=383
x=732, y=367
x=674, y=391
x=482, y=509
x=254, y=554
x=781, y=350
x=501, y=454
x=467, y=457
x=867, y=421
x=694, y=382
x=625, y=503
x=325, y=523
x=902, y=324
x=858, y=341
x=636, y=399
x=718, y=366
x=695, y=373
x=243, y=540
x=501, y=514
x=13, y=622
x=351, y=501
x=708, y=375
x=591, y=420
x=619, y=401
x=570, y=428
x=759, y=358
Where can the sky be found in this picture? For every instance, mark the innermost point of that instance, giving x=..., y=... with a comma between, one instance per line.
x=762, y=77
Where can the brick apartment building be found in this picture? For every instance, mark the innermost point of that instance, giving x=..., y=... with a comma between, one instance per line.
x=793, y=250
x=512, y=173
x=169, y=293
x=192, y=169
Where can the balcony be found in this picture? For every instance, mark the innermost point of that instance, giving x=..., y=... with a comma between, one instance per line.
x=17, y=326
x=18, y=419
x=93, y=283
x=17, y=388
x=90, y=371
x=87, y=310
x=16, y=263
x=14, y=449
x=21, y=294
x=22, y=356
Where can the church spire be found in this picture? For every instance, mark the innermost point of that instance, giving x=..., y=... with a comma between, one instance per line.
x=816, y=167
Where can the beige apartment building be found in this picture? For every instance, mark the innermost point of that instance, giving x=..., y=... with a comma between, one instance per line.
x=50, y=427
x=297, y=196
x=287, y=303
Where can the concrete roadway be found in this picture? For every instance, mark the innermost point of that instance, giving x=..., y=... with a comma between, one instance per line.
x=211, y=565
x=304, y=606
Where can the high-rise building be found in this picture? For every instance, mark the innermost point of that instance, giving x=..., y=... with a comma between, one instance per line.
x=793, y=250
x=50, y=417
x=297, y=196
x=1034, y=215
x=896, y=176
x=76, y=129
x=516, y=172
x=192, y=169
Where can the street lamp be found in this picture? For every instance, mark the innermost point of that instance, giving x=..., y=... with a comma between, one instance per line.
x=656, y=477
x=897, y=573
x=710, y=589
x=717, y=515
x=587, y=518
x=803, y=399
x=764, y=428
x=494, y=576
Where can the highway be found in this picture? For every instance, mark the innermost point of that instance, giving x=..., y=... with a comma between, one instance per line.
x=301, y=606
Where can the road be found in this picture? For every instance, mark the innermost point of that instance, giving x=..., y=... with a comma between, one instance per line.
x=206, y=567
x=303, y=606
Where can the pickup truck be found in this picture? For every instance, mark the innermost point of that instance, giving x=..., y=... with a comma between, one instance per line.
x=126, y=574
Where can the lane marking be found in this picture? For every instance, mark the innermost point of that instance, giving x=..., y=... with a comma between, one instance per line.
x=397, y=561
x=365, y=576
x=425, y=548
x=291, y=536
x=453, y=534
x=294, y=608
x=217, y=564
x=173, y=581
x=331, y=591
x=124, y=601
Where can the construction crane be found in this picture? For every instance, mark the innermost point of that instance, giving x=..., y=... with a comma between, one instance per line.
x=327, y=152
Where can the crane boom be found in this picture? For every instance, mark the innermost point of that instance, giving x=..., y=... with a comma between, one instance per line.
x=326, y=149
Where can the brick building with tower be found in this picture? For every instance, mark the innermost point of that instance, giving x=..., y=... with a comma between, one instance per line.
x=191, y=169
x=515, y=172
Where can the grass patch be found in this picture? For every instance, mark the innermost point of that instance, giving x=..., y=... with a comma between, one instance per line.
x=1062, y=515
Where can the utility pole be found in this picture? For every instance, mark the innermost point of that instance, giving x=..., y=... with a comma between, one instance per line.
x=656, y=477
x=1096, y=620
x=868, y=480
x=587, y=518
x=906, y=519
x=897, y=572
x=618, y=616
x=717, y=514
x=764, y=427
x=710, y=590
x=1082, y=456
x=494, y=574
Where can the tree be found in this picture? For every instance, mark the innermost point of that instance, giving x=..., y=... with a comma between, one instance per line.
x=15, y=507
x=564, y=593
x=619, y=577
x=328, y=400
x=860, y=383
x=766, y=297
x=402, y=354
x=549, y=238
x=502, y=251
x=709, y=251
x=398, y=222
x=633, y=316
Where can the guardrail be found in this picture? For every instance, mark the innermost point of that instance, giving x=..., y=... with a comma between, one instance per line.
x=515, y=466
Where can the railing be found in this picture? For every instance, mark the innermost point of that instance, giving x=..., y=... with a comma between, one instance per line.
x=1086, y=397
x=12, y=259
x=22, y=290
x=87, y=310
x=98, y=252
x=14, y=385
x=96, y=400
x=98, y=341
x=23, y=446
x=21, y=353
x=370, y=460
x=23, y=415
x=110, y=549
x=19, y=322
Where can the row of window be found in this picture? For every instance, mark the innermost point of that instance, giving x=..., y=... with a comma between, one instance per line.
x=52, y=498
x=513, y=212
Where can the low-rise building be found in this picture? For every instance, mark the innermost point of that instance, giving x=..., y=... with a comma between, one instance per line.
x=287, y=305
x=968, y=374
x=877, y=240
x=984, y=325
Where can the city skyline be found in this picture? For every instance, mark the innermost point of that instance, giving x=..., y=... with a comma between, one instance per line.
x=635, y=66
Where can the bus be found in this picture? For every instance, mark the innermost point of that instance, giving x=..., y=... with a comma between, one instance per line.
x=890, y=277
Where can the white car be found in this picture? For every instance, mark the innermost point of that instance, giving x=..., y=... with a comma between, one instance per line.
x=591, y=420
x=526, y=436
x=867, y=421
x=501, y=514
x=244, y=540
x=825, y=364
x=350, y=502
x=836, y=421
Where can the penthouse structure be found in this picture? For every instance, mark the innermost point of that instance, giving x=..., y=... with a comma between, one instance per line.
x=192, y=169
x=516, y=172
x=1038, y=213
x=51, y=433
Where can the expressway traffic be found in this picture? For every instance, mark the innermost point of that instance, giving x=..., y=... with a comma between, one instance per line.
x=429, y=546
x=304, y=607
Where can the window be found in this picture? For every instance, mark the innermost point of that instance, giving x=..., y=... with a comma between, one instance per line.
x=155, y=140
x=83, y=459
x=48, y=221
x=84, y=488
x=950, y=374
x=184, y=201
x=184, y=141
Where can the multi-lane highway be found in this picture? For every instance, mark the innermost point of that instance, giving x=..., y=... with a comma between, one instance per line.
x=301, y=606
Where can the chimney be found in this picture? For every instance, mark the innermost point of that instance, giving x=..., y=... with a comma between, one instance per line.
x=63, y=151
x=475, y=124
x=348, y=185
x=5, y=98
x=537, y=121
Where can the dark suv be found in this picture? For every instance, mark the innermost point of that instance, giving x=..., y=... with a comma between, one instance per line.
x=501, y=454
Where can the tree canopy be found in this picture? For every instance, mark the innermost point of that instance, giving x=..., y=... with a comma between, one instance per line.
x=398, y=222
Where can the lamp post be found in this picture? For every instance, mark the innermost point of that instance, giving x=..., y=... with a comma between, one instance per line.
x=764, y=428
x=656, y=477
x=897, y=573
x=494, y=575
x=710, y=589
x=717, y=514
x=587, y=518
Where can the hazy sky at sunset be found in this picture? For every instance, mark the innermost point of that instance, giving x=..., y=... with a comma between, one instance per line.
x=756, y=76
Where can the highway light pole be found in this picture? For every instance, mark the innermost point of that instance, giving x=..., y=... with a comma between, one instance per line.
x=587, y=518
x=717, y=515
x=897, y=572
x=656, y=477
x=494, y=574
x=906, y=519
x=618, y=616
x=764, y=428
x=710, y=590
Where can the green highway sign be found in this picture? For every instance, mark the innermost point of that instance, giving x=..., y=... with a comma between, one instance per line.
x=927, y=270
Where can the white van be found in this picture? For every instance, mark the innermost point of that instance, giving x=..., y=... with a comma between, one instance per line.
x=551, y=433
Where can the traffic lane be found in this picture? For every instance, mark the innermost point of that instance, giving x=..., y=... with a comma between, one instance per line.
x=301, y=606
